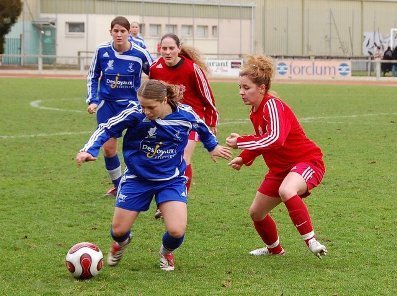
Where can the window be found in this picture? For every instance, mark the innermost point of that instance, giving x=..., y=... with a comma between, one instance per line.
x=202, y=31
x=187, y=31
x=74, y=28
x=155, y=30
x=171, y=29
x=142, y=30
x=214, y=31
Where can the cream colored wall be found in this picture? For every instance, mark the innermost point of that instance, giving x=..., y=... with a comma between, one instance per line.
x=320, y=27
x=279, y=27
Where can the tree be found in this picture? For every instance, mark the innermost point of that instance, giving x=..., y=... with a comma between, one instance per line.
x=9, y=12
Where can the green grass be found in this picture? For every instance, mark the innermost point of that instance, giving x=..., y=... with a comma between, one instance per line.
x=48, y=204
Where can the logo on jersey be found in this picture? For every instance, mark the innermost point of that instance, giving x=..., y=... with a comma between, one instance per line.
x=178, y=136
x=114, y=83
x=130, y=68
x=119, y=81
x=159, y=66
x=105, y=55
x=152, y=132
x=110, y=65
x=121, y=197
x=153, y=149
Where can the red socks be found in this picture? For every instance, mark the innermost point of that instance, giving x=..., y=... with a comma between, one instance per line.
x=268, y=232
x=189, y=175
x=300, y=217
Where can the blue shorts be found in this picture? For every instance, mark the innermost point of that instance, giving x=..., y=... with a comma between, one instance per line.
x=136, y=194
x=107, y=109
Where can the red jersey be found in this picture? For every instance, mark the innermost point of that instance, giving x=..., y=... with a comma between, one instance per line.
x=198, y=93
x=279, y=137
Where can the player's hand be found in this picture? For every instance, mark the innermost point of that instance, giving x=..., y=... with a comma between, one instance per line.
x=221, y=151
x=231, y=141
x=236, y=163
x=82, y=157
x=92, y=108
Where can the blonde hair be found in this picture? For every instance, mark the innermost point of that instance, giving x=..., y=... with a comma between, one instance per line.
x=259, y=69
x=158, y=90
x=188, y=51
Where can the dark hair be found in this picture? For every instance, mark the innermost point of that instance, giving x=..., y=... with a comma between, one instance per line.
x=158, y=90
x=120, y=20
x=187, y=51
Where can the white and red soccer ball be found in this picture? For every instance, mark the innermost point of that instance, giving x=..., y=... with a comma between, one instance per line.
x=84, y=260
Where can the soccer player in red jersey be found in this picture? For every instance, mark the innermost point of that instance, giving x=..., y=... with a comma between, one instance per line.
x=182, y=65
x=294, y=161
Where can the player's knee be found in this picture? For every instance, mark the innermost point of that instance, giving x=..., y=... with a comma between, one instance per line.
x=177, y=232
x=286, y=192
x=118, y=231
x=255, y=214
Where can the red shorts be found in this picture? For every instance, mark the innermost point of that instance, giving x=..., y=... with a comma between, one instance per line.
x=193, y=136
x=312, y=173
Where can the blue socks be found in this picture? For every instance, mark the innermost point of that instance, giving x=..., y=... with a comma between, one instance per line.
x=113, y=167
x=121, y=239
x=171, y=243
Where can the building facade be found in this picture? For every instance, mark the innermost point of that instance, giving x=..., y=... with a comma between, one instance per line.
x=218, y=28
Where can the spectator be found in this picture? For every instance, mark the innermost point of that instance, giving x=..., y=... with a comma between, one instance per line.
x=387, y=56
x=394, y=64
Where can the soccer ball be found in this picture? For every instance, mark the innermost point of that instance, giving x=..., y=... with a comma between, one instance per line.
x=84, y=260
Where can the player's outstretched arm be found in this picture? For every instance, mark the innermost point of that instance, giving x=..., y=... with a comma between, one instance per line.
x=236, y=163
x=82, y=157
x=231, y=140
x=92, y=108
x=221, y=151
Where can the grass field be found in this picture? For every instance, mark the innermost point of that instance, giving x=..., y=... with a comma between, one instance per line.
x=48, y=204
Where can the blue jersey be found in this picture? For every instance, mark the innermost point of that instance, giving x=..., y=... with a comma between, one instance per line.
x=137, y=40
x=153, y=149
x=118, y=75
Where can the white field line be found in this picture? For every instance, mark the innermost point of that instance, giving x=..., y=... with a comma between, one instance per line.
x=36, y=104
x=45, y=135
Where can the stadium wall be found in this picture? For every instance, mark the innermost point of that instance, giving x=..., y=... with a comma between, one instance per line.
x=284, y=28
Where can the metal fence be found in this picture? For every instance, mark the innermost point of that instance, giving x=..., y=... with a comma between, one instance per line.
x=360, y=66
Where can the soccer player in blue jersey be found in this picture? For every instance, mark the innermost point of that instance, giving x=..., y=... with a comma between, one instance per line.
x=134, y=35
x=157, y=133
x=116, y=69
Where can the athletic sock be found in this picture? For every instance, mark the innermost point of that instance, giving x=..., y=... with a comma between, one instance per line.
x=170, y=243
x=189, y=176
x=300, y=216
x=114, y=169
x=267, y=230
x=121, y=240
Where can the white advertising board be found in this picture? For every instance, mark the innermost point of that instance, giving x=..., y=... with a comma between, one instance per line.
x=224, y=68
x=313, y=69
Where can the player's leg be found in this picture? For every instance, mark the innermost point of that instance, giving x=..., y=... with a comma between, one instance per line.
x=121, y=233
x=297, y=183
x=265, y=225
x=172, y=203
x=132, y=198
x=105, y=111
x=191, y=145
x=112, y=164
x=175, y=220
